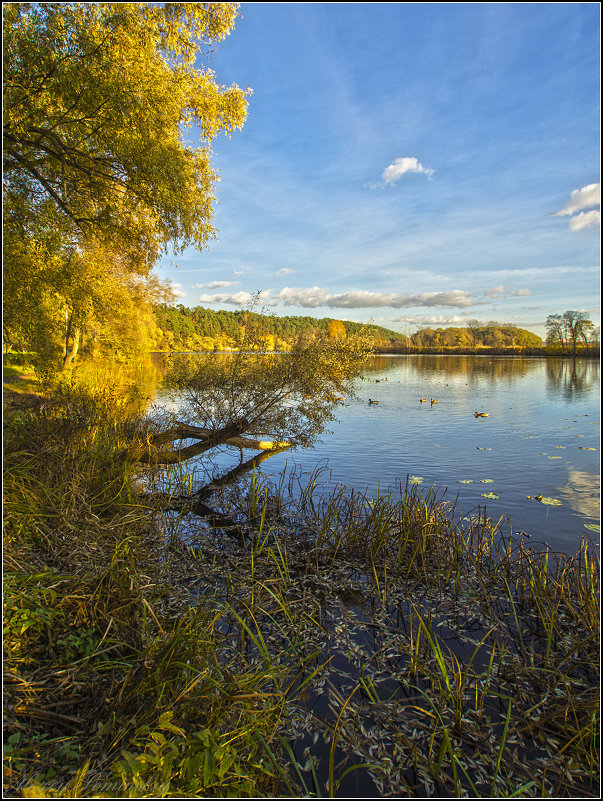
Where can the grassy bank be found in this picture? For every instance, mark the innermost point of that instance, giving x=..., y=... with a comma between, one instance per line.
x=315, y=644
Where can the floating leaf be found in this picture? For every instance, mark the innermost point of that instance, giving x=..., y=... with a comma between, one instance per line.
x=579, y=435
x=560, y=446
x=492, y=495
x=466, y=481
x=554, y=457
x=528, y=436
x=582, y=448
x=483, y=449
x=542, y=454
x=593, y=527
x=415, y=480
x=486, y=481
x=549, y=501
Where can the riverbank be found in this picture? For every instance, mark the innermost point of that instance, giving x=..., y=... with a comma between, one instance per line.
x=149, y=654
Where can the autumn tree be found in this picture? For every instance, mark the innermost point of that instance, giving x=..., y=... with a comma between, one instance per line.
x=286, y=397
x=568, y=329
x=98, y=98
x=337, y=329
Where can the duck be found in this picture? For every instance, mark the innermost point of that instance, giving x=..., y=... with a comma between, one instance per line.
x=372, y=401
x=423, y=400
x=481, y=414
x=434, y=401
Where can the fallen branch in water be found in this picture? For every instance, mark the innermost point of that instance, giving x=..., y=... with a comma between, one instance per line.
x=207, y=439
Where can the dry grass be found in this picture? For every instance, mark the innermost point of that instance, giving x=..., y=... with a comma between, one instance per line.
x=336, y=638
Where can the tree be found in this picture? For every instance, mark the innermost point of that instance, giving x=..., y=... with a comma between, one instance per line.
x=287, y=397
x=568, y=329
x=97, y=97
x=337, y=329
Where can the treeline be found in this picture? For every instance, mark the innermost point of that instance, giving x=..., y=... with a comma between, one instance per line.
x=492, y=335
x=179, y=328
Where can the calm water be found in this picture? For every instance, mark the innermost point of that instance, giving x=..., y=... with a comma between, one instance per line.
x=541, y=437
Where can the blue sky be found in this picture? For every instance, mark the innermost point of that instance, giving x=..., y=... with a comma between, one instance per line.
x=414, y=164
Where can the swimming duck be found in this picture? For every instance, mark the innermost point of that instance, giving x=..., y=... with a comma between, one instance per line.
x=423, y=400
x=434, y=401
x=372, y=401
x=481, y=414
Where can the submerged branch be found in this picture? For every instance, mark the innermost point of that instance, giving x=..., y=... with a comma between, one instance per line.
x=207, y=439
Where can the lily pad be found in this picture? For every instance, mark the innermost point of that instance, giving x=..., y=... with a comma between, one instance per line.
x=486, y=481
x=593, y=527
x=466, y=481
x=415, y=480
x=560, y=446
x=492, y=495
x=554, y=457
x=549, y=501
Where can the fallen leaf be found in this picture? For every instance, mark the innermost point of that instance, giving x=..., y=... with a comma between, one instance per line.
x=486, y=481
x=549, y=501
x=492, y=495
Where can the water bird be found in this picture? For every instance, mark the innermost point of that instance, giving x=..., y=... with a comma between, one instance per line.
x=481, y=414
x=423, y=400
x=434, y=401
x=372, y=401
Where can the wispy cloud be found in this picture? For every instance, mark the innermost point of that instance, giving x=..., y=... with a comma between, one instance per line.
x=282, y=273
x=495, y=292
x=500, y=290
x=434, y=320
x=401, y=166
x=580, y=199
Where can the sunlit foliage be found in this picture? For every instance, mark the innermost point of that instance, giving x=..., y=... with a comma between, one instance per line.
x=98, y=98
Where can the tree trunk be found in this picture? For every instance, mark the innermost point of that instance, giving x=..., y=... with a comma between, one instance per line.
x=71, y=352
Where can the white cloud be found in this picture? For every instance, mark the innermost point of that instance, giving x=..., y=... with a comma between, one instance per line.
x=495, y=292
x=583, y=198
x=238, y=298
x=435, y=321
x=401, y=166
x=501, y=289
x=215, y=284
x=580, y=199
x=282, y=273
x=586, y=219
x=307, y=298
x=177, y=290
x=313, y=297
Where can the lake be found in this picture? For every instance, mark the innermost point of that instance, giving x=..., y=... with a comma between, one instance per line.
x=541, y=438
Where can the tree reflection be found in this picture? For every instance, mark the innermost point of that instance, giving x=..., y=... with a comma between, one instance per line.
x=570, y=378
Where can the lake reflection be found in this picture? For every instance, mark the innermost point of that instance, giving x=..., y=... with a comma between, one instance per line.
x=541, y=437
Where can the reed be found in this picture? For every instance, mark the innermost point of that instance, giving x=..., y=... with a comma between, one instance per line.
x=148, y=654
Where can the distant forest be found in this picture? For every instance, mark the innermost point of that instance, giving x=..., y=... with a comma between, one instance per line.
x=182, y=329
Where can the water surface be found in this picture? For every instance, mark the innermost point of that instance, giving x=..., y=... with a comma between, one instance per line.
x=541, y=437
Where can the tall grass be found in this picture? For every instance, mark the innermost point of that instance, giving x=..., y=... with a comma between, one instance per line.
x=338, y=638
